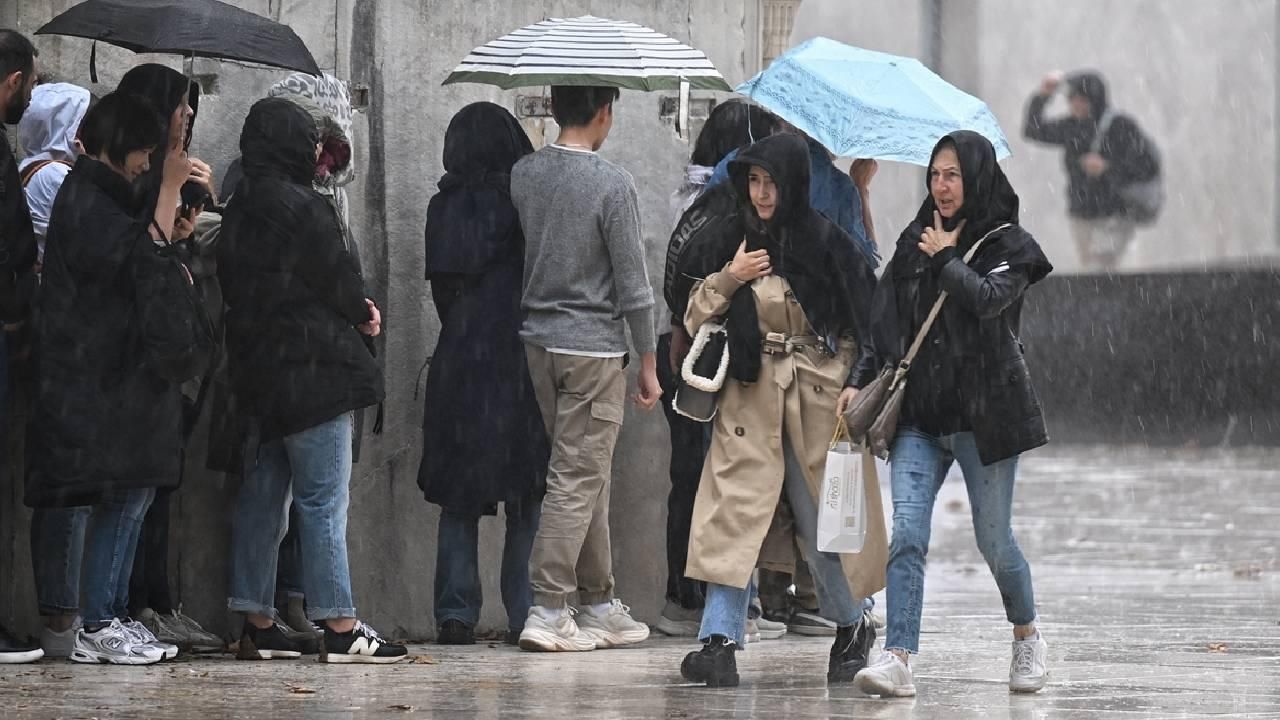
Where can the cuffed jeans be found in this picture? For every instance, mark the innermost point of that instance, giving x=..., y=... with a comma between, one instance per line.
x=458, y=593
x=919, y=464
x=726, y=609
x=57, y=549
x=311, y=469
x=109, y=548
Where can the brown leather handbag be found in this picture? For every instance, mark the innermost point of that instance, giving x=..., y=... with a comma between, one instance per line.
x=873, y=416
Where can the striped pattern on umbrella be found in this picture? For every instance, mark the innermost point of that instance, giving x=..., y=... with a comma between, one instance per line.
x=588, y=51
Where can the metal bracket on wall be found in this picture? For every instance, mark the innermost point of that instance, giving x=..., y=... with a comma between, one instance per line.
x=359, y=96
x=699, y=109
x=533, y=106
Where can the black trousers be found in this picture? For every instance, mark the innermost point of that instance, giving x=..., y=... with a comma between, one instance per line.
x=688, y=453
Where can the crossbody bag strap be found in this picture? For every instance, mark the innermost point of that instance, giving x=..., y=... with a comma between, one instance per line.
x=937, y=308
x=1100, y=136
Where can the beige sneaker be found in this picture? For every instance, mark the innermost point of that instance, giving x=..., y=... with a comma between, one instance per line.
x=558, y=635
x=614, y=628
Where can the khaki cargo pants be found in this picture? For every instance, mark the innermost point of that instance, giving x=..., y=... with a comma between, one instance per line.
x=581, y=399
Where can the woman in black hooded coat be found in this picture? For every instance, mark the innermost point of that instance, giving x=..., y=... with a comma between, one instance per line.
x=969, y=397
x=484, y=441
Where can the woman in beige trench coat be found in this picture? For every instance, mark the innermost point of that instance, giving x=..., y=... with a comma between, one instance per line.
x=794, y=295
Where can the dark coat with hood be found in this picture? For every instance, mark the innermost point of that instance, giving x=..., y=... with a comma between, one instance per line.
x=831, y=280
x=292, y=291
x=104, y=419
x=1130, y=156
x=483, y=437
x=970, y=374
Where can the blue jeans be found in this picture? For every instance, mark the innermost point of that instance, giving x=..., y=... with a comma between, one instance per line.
x=109, y=548
x=312, y=470
x=726, y=609
x=57, y=549
x=458, y=594
x=920, y=462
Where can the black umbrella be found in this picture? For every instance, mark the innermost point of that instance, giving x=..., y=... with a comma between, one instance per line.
x=194, y=28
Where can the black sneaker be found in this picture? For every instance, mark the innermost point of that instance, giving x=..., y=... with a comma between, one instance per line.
x=269, y=644
x=14, y=652
x=850, y=651
x=455, y=632
x=361, y=645
x=714, y=664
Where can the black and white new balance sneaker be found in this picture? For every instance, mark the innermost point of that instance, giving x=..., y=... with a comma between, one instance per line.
x=361, y=645
x=268, y=644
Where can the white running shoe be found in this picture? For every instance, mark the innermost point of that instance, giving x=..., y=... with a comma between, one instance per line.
x=887, y=677
x=146, y=637
x=114, y=644
x=1029, y=668
x=614, y=628
x=560, y=634
x=677, y=621
x=768, y=629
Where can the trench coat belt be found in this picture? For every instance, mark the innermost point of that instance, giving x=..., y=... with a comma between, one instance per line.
x=779, y=344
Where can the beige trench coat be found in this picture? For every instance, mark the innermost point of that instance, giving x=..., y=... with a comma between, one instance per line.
x=742, y=478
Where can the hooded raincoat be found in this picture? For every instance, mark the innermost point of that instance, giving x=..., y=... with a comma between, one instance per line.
x=483, y=437
x=820, y=289
x=48, y=135
x=293, y=293
x=970, y=375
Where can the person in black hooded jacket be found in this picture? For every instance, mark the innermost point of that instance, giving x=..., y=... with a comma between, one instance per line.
x=296, y=309
x=483, y=439
x=794, y=295
x=969, y=397
x=1096, y=170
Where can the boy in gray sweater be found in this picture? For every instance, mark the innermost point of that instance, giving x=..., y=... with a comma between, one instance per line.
x=584, y=273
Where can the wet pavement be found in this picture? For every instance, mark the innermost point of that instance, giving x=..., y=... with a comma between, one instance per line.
x=1157, y=576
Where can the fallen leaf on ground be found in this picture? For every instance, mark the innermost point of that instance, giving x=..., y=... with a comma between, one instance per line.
x=406, y=708
x=1217, y=647
x=423, y=660
x=300, y=690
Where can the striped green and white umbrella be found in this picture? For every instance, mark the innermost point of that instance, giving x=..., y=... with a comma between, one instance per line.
x=588, y=51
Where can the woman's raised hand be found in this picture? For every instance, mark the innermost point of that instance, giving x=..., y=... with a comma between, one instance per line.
x=748, y=266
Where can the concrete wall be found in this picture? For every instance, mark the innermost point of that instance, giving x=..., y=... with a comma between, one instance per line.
x=1200, y=77
x=402, y=50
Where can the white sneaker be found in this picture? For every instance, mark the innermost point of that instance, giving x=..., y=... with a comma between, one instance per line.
x=677, y=621
x=1029, y=668
x=752, y=634
x=60, y=644
x=558, y=635
x=614, y=628
x=145, y=637
x=768, y=629
x=114, y=644
x=887, y=677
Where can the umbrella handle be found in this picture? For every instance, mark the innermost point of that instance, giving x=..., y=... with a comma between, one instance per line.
x=93, y=63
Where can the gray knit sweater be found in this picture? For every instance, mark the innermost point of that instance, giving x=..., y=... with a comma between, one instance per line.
x=584, y=266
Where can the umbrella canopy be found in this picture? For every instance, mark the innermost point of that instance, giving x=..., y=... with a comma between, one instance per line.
x=588, y=51
x=864, y=104
x=200, y=28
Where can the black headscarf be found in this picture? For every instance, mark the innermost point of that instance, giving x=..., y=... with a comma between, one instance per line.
x=814, y=255
x=1089, y=84
x=166, y=88
x=279, y=141
x=471, y=222
x=989, y=199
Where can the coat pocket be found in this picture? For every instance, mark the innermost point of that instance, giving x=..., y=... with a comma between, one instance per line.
x=601, y=432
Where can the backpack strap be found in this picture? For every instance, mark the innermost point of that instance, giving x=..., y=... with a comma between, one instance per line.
x=1104, y=127
x=36, y=167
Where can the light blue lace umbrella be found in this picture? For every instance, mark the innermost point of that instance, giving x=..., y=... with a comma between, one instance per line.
x=865, y=104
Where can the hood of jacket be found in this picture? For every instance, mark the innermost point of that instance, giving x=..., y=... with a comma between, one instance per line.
x=1091, y=85
x=786, y=158
x=49, y=127
x=279, y=141
x=328, y=101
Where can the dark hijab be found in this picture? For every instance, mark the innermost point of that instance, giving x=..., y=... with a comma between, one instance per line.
x=166, y=88
x=279, y=141
x=989, y=199
x=815, y=256
x=471, y=222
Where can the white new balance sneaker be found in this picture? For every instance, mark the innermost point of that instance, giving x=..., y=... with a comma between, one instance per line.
x=116, y=645
x=887, y=677
x=1029, y=669
x=559, y=634
x=612, y=628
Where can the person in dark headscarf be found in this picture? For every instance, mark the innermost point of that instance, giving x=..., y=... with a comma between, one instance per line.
x=969, y=397
x=483, y=437
x=296, y=310
x=794, y=296
x=1098, y=168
